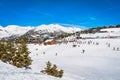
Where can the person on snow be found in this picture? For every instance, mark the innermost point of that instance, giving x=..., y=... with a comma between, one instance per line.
x=56, y=54
x=83, y=51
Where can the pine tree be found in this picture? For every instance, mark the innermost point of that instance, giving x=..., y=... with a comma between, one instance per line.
x=9, y=50
x=1, y=49
x=15, y=53
x=60, y=74
x=3, y=53
x=21, y=57
x=48, y=68
x=52, y=70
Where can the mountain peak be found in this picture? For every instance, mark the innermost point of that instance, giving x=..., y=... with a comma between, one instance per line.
x=57, y=27
x=21, y=30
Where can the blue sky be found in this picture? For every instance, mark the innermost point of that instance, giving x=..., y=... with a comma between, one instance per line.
x=89, y=13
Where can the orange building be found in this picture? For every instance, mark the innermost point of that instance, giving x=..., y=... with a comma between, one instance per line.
x=50, y=42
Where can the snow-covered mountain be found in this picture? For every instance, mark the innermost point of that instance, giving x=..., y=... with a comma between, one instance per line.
x=20, y=30
x=57, y=28
x=3, y=32
x=13, y=30
x=17, y=30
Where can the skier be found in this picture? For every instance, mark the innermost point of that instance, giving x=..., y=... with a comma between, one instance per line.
x=109, y=45
x=117, y=48
x=113, y=48
x=56, y=54
x=83, y=51
x=37, y=54
x=36, y=49
x=43, y=52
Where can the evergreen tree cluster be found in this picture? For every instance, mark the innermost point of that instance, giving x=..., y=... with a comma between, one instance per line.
x=74, y=45
x=15, y=53
x=52, y=70
x=63, y=35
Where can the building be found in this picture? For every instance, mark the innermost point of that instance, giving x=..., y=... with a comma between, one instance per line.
x=50, y=42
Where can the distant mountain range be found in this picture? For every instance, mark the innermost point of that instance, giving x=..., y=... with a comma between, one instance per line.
x=52, y=30
x=14, y=30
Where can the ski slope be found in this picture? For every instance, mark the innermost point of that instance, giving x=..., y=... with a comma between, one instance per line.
x=98, y=62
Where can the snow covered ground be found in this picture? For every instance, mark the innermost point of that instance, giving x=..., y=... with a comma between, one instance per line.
x=98, y=62
x=110, y=32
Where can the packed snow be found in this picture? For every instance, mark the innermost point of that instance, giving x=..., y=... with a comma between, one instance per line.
x=100, y=60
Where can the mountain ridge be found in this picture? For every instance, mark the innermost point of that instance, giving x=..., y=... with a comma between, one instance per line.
x=11, y=30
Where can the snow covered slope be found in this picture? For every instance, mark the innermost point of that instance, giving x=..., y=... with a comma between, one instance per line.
x=17, y=30
x=105, y=33
x=13, y=30
x=99, y=62
x=3, y=32
x=112, y=30
x=57, y=28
